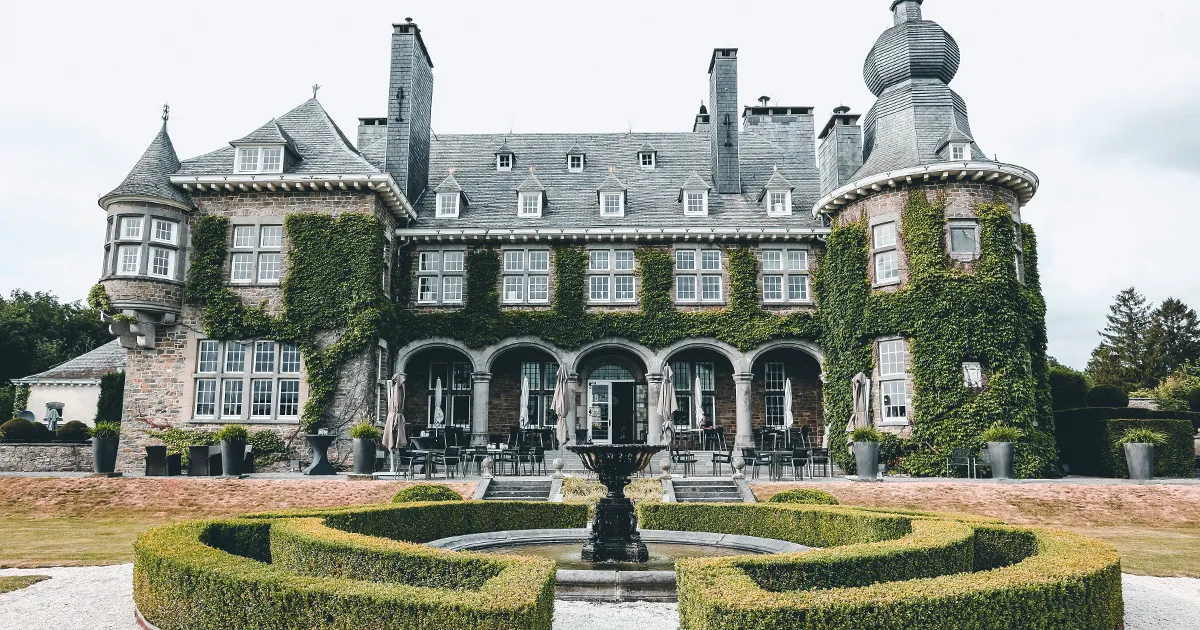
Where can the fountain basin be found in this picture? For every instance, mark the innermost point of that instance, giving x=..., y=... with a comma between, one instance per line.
x=578, y=579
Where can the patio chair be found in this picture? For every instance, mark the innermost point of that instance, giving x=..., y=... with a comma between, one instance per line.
x=474, y=456
x=534, y=459
x=450, y=460
x=753, y=460
x=799, y=458
x=721, y=458
x=960, y=457
x=985, y=460
x=506, y=462
x=820, y=457
x=686, y=460
x=160, y=464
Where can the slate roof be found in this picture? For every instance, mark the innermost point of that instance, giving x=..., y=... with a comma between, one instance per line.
x=269, y=133
x=317, y=139
x=151, y=175
x=106, y=359
x=652, y=198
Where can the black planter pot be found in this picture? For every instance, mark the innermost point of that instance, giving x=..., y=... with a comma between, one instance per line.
x=364, y=456
x=104, y=454
x=233, y=455
x=866, y=458
x=1140, y=460
x=1002, y=459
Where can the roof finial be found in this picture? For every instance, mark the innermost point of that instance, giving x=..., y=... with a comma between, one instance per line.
x=166, y=113
x=612, y=170
x=316, y=88
x=531, y=170
x=451, y=169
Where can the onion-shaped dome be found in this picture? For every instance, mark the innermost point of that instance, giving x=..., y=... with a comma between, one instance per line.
x=912, y=49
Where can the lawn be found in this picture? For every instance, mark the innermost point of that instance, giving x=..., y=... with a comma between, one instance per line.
x=84, y=521
x=14, y=582
x=1155, y=527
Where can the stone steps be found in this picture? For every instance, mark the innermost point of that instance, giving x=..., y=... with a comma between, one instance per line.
x=706, y=491
x=518, y=490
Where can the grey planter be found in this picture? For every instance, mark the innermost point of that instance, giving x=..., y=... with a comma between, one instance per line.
x=1001, y=454
x=866, y=457
x=233, y=456
x=1140, y=460
x=364, y=456
x=104, y=454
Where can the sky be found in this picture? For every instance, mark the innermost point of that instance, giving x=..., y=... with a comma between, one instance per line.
x=1101, y=99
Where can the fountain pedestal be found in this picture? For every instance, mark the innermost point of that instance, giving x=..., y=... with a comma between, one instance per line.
x=613, y=533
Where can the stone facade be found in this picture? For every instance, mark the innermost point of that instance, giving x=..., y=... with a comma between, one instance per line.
x=45, y=457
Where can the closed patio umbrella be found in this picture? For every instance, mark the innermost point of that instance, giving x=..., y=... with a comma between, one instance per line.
x=439, y=417
x=698, y=395
x=788, y=420
x=668, y=405
x=524, y=402
x=860, y=387
x=393, y=428
x=561, y=404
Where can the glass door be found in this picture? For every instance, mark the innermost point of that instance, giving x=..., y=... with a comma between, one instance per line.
x=600, y=411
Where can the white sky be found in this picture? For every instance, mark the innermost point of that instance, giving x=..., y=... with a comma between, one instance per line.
x=1101, y=99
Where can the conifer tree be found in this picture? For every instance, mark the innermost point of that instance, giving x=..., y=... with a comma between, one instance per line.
x=1122, y=359
x=1173, y=337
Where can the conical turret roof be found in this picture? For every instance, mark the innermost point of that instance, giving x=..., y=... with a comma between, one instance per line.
x=151, y=175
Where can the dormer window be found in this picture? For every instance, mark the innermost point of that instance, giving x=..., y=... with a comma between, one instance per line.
x=612, y=204
x=647, y=160
x=504, y=161
x=575, y=163
x=259, y=160
x=447, y=205
x=779, y=203
x=960, y=152
x=529, y=205
x=695, y=203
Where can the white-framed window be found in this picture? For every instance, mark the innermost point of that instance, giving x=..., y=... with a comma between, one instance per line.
x=269, y=267
x=685, y=373
x=647, y=160
x=695, y=203
x=129, y=258
x=259, y=160
x=893, y=381
x=973, y=375
x=610, y=276
x=529, y=204
x=166, y=231
x=440, y=276
x=785, y=275
x=575, y=163
x=774, y=389
x=960, y=151
x=612, y=204
x=885, y=253
x=698, y=276
x=243, y=236
x=526, y=276
x=779, y=203
x=256, y=257
x=504, y=161
x=242, y=268
x=447, y=205
x=542, y=378
x=162, y=262
x=456, y=392
x=225, y=389
x=271, y=237
x=964, y=237
x=131, y=228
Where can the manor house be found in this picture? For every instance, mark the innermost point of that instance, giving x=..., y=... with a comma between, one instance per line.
x=696, y=249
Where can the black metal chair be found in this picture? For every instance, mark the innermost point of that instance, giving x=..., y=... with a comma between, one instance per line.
x=820, y=457
x=960, y=457
x=506, y=462
x=686, y=460
x=450, y=460
x=533, y=459
x=799, y=459
x=983, y=460
x=753, y=460
x=159, y=463
x=721, y=458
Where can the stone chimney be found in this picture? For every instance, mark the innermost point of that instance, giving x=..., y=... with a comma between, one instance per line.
x=703, y=123
x=410, y=106
x=370, y=130
x=723, y=112
x=841, y=150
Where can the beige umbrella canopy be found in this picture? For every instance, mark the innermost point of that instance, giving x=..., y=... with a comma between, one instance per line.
x=439, y=416
x=561, y=404
x=524, y=402
x=668, y=405
x=860, y=387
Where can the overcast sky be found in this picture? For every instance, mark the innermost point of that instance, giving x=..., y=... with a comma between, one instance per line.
x=1101, y=99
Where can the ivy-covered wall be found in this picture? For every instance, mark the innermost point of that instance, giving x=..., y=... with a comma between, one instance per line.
x=949, y=316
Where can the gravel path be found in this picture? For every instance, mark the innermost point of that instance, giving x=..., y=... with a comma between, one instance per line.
x=100, y=598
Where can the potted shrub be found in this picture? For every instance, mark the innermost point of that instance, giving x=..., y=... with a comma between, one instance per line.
x=866, y=452
x=1139, y=443
x=366, y=436
x=233, y=449
x=1000, y=440
x=105, y=436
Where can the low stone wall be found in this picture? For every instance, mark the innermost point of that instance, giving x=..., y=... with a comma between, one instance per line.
x=18, y=457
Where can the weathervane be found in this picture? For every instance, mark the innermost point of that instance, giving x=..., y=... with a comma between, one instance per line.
x=166, y=112
x=316, y=88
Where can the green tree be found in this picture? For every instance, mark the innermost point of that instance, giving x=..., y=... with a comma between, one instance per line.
x=1173, y=338
x=1122, y=358
x=38, y=332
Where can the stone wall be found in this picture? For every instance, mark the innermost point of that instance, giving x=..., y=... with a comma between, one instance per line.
x=45, y=457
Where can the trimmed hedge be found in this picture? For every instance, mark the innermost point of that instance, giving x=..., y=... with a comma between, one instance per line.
x=805, y=496
x=957, y=574
x=1086, y=440
x=1107, y=396
x=321, y=569
x=426, y=492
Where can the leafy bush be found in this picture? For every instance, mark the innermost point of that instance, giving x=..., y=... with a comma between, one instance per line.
x=233, y=432
x=268, y=446
x=806, y=496
x=20, y=430
x=73, y=431
x=6, y=402
x=1172, y=393
x=426, y=492
x=1142, y=435
x=366, y=430
x=1107, y=396
x=109, y=406
x=1193, y=400
x=865, y=434
x=589, y=491
x=107, y=430
x=1001, y=433
x=1086, y=440
x=1068, y=388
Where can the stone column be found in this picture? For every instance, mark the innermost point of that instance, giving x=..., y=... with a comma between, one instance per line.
x=654, y=383
x=745, y=434
x=481, y=387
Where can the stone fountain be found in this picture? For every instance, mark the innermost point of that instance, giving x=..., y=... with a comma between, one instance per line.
x=614, y=534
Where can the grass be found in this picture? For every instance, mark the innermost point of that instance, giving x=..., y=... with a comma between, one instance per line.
x=1155, y=527
x=16, y=582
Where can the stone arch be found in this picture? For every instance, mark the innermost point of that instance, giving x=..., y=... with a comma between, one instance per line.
x=641, y=352
x=736, y=358
x=407, y=352
x=810, y=348
x=488, y=355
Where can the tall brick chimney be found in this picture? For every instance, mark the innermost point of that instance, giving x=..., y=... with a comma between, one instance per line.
x=410, y=106
x=841, y=150
x=723, y=112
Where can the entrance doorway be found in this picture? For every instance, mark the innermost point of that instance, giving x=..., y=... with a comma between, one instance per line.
x=611, y=405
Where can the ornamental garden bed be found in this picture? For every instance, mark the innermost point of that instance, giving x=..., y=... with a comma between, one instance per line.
x=1087, y=440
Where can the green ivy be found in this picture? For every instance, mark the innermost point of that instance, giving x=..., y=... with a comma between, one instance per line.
x=334, y=304
x=949, y=316
x=568, y=323
x=98, y=299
